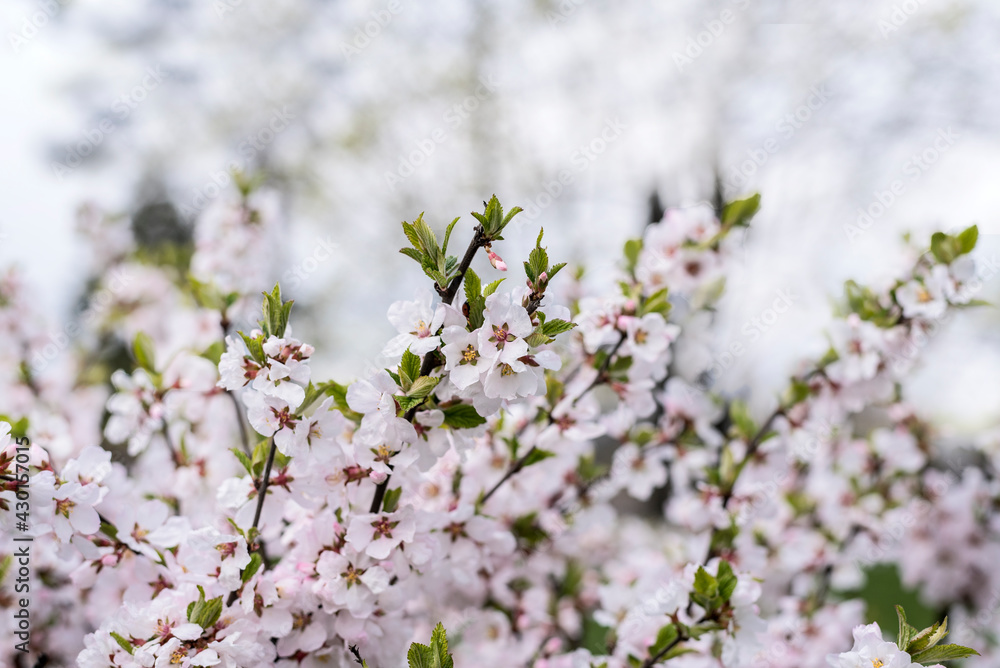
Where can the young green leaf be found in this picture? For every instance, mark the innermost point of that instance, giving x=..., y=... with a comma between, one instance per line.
x=704, y=583
x=941, y=653
x=123, y=643
x=439, y=648
x=391, y=500
x=142, y=348
x=462, y=416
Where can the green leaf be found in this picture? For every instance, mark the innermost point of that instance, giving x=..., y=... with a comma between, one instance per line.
x=439, y=648
x=195, y=607
x=633, y=247
x=427, y=239
x=666, y=635
x=967, y=240
x=251, y=569
x=244, y=460
x=739, y=212
x=528, y=531
x=739, y=413
x=391, y=499
x=656, y=303
x=420, y=656
x=929, y=637
x=906, y=632
x=536, y=339
x=409, y=369
x=411, y=234
x=447, y=235
x=943, y=653
x=538, y=261
x=423, y=387
x=339, y=393
x=414, y=253
x=210, y=613
x=492, y=287
x=536, y=455
x=727, y=580
x=473, y=286
x=124, y=644
x=552, y=328
x=704, y=583
x=943, y=247
x=406, y=403
x=462, y=416
x=214, y=352
x=255, y=346
x=142, y=348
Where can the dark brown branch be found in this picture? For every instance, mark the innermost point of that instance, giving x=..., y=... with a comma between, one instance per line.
x=429, y=362
x=244, y=438
x=261, y=493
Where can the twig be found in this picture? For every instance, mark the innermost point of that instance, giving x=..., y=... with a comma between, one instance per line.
x=603, y=369
x=519, y=463
x=427, y=365
x=244, y=438
x=170, y=444
x=752, y=447
x=652, y=661
x=261, y=493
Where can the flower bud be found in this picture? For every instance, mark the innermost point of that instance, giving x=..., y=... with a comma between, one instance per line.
x=497, y=261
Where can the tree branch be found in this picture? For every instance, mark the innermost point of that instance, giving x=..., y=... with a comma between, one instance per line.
x=244, y=438
x=261, y=493
x=427, y=365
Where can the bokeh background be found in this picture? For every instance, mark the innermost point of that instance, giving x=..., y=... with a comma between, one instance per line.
x=363, y=113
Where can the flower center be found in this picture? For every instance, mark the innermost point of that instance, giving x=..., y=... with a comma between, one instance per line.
x=352, y=575
x=469, y=355
x=923, y=296
x=641, y=336
x=300, y=620
x=506, y=369
x=877, y=663
x=382, y=454
x=383, y=527
x=501, y=335
x=422, y=331
x=63, y=506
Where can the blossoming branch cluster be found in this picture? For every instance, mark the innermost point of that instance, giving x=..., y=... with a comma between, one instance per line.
x=231, y=509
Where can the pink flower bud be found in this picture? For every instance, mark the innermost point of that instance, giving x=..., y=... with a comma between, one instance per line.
x=378, y=477
x=543, y=278
x=109, y=559
x=497, y=261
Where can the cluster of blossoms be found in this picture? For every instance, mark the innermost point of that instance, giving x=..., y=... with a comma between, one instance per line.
x=556, y=484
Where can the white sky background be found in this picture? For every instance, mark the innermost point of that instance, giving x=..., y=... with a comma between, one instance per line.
x=561, y=72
